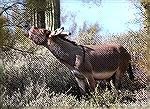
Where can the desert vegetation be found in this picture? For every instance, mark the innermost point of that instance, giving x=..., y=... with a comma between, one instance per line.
x=37, y=79
x=32, y=78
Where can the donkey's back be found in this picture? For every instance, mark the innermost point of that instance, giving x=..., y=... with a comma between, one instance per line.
x=106, y=60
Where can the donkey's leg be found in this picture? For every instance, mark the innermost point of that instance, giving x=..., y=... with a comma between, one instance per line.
x=117, y=79
x=91, y=81
x=82, y=81
x=130, y=72
x=119, y=75
x=109, y=85
x=82, y=85
x=102, y=84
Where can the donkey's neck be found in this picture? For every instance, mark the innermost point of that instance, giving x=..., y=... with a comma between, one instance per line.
x=64, y=51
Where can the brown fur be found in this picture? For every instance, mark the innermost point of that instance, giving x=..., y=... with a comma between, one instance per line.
x=89, y=62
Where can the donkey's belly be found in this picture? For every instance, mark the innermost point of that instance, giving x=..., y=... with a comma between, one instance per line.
x=103, y=75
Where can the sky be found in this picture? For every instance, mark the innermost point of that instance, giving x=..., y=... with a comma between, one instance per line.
x=113, y=16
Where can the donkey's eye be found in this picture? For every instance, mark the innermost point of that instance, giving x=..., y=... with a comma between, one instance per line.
x=41, y=30
x=35, y=27
x=44, y=30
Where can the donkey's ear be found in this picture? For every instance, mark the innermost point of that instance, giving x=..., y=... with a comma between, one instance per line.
x=63, y=34
x=57, y=32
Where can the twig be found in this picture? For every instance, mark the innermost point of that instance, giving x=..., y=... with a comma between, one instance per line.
x=139, y=8
x=4, y=10
x=17, y=49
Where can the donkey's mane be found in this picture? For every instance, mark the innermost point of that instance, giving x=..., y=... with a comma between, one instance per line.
x=65, y=39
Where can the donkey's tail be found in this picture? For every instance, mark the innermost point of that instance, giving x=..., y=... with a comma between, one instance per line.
x=130, y=72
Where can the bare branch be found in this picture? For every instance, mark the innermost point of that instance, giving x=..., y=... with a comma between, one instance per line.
x=7, y=46
x=138, y=7
x=5, y=9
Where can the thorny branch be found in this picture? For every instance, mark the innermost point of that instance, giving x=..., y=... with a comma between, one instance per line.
x=5, y=9
x=7, y=46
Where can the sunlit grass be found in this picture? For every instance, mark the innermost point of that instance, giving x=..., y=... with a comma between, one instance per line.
x=45, y=100
x=46, y=85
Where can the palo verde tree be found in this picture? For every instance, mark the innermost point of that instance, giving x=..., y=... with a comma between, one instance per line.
x=23, y=14
x=89, y=34
x=146, y=28
x=145, y=10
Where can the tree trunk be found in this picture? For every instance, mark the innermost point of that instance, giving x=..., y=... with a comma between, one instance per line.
x=41, y=19
x=54, y=17
x=45, y=13
x=56, y=14
x=41, y=13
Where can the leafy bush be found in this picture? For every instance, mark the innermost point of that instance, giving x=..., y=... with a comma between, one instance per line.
x=45, y=99
x=39, y=80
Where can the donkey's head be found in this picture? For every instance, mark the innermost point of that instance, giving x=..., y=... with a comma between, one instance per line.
x=40, y=36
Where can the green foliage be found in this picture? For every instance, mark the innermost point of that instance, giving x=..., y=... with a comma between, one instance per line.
x=29, y=80
x=89, y=35
x=39, y=81
x=37, y=4
x=24, y=43
x=21, y=68
x=1, y=72
x=4, y=34
x=146, y=28
x=44, y=14
x=45, y=99
x=135, y=43
x=3, y=21
x=101, y=98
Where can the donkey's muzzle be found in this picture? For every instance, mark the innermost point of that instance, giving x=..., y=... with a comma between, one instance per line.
x=26, y=34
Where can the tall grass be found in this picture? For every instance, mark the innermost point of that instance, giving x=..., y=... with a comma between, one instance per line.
x=39, y=81
x=47, y=100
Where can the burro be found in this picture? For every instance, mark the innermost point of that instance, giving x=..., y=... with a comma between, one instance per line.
x=89, y=63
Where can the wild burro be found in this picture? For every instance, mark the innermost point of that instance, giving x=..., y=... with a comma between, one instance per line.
x=89, y=63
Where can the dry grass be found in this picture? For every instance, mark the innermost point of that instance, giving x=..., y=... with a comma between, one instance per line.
x=45, y=99
x=32, y=86
x=40, y=82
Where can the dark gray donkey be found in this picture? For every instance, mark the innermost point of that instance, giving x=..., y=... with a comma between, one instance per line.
x=88, y=62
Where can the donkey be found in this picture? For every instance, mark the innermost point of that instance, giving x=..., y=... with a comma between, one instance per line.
x=89, y=63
